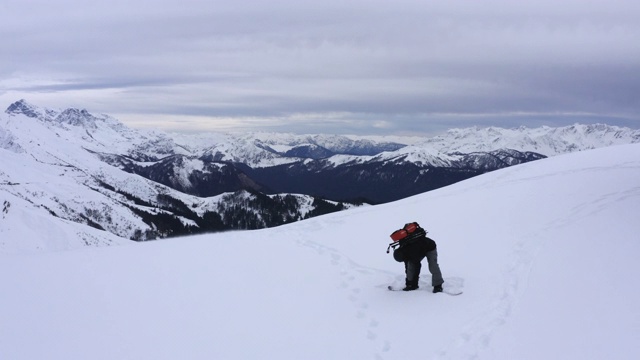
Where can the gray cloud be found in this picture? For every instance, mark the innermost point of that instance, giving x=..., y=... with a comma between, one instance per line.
x=330, y=66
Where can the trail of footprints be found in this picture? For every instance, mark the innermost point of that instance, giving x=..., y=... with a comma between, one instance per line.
x=349, y=273
x=477, y=336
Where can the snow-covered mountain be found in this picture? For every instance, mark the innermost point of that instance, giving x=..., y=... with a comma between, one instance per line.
x=259, y=149
x=548, y=141
x=51, y=166
x=262, y=149
x=139, y=184
x=545, y=253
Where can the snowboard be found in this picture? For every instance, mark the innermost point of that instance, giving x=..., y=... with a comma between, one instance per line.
x=445, y=290
x=452, y=286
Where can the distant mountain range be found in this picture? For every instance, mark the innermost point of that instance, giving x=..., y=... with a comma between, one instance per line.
x=141, y=185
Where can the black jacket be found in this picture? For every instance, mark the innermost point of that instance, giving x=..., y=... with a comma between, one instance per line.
x=416, y=249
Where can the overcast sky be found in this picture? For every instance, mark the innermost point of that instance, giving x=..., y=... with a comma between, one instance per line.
x=330, y=66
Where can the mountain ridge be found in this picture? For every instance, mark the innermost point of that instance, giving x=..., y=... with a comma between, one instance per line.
x=548, y=141
x=140, y=181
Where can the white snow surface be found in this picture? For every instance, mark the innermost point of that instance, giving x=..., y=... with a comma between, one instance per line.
x=546, y=254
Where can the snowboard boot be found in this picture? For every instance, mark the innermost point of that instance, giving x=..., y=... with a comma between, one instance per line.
x=410, y=285
x=437, y=289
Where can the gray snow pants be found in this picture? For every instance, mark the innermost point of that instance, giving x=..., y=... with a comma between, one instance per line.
x=412, y=270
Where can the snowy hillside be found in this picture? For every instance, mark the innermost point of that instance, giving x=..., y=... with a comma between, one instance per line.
x=52, y=166
x=545, y=253
x=25, y=228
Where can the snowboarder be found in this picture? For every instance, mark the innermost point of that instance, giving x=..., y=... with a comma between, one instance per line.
x=411, y=251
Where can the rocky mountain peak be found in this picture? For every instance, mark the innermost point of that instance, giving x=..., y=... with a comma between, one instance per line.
x=22, y=107
x=77, y=117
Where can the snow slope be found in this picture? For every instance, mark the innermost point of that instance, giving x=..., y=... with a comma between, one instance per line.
x=545, y=252
x=25, y=228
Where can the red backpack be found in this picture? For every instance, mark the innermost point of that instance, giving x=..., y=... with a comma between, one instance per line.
x=407, y=230
x=408, y=233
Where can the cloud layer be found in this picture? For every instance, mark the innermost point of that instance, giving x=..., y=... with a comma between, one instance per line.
x=330, y=66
